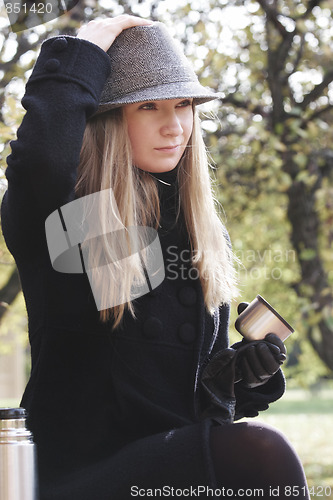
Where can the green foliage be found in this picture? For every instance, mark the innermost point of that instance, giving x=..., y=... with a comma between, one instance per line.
x=263, y=122
x=15, y=316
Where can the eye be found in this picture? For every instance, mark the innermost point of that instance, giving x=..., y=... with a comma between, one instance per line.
x=185, y=103
x=148, y=106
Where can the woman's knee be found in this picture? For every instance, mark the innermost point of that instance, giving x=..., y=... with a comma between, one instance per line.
x=250, y=439
x=254, y=454
x=263, y=437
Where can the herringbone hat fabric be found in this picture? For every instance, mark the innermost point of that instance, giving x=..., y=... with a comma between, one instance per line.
x=148, y=64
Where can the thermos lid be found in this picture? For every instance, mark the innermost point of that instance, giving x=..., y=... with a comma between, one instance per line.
x=12, y=413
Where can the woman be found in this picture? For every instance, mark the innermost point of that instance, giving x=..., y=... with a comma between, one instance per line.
x=124, y=396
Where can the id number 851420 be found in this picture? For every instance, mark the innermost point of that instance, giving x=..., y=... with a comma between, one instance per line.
x=36, y=8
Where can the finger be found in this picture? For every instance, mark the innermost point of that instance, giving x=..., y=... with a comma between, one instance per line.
x=241, y=307
x=128, y=21
x=278, y=355
x=281, y=358
x=248, y=376
x=255, y=362
x=103, y=32
x=273, y=348
x=125, y=20
x=267, y=359
x=275, y=340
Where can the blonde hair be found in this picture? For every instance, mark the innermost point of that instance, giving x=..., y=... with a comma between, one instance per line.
x=106, y=162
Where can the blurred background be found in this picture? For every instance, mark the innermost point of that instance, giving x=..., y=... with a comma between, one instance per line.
x=270, y=143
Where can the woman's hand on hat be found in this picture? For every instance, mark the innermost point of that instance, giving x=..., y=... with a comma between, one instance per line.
x=103, y=32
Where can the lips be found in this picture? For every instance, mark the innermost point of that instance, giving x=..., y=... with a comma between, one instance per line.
x=169, y=148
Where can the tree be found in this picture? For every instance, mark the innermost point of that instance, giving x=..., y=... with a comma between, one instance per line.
x=297, y=126
x=295, y=118
x=275, y=137
x=271, y=137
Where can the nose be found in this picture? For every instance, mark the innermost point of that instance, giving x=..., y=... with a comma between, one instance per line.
x=172, y=125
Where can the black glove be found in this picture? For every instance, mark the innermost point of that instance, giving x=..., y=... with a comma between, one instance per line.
x=258, y=360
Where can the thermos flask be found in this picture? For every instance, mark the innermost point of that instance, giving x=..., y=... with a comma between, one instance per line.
x=18, y=473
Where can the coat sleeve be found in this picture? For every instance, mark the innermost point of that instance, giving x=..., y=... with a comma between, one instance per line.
x=250, y=401
x=61, y=94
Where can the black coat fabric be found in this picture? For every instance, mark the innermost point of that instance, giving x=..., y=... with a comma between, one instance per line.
x=108, y=409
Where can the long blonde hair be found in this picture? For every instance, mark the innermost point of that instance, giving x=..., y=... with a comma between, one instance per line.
x=106, y=162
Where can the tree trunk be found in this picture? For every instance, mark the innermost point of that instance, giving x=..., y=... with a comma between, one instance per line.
x=302, y=212
x=313, y=285
x=9, y=292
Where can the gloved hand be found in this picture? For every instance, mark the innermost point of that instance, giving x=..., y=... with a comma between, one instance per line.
x=258, y=360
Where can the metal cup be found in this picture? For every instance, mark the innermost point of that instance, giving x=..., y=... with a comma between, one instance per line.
x=18, y=476
x=259, y=319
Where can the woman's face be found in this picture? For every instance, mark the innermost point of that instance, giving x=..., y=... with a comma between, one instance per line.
x=159, y=132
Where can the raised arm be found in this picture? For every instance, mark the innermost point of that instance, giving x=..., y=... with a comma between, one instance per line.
x=61, y=94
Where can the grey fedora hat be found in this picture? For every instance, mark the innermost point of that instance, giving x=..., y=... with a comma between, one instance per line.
x=147, y=64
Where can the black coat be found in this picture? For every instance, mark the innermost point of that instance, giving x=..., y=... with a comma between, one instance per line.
x=105, y=407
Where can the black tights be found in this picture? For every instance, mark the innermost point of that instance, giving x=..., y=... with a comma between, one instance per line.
x=257, y=458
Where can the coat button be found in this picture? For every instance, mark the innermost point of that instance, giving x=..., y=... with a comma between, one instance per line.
x=152, y=327
x=59, y=44
x=187, y=296
x=52, y=65
x=187, y=333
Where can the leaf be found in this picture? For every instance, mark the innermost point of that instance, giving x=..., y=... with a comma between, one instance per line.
x=301, y=159
x=329, y=322
x=308, y=254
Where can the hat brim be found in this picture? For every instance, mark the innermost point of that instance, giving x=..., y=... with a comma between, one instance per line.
x=175, y=90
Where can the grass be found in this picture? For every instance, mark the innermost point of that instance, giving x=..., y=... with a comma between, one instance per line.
x=307, y=420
